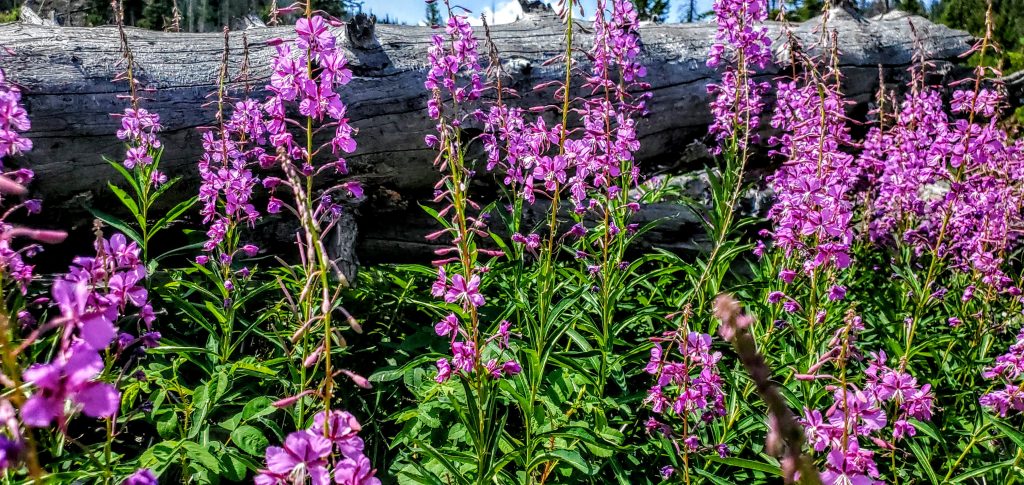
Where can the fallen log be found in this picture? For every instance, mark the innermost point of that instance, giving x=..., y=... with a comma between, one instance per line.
x=66, y=74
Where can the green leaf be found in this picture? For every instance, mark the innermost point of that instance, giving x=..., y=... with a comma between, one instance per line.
x=1014, y=435
x=164, y=187
x=981, y=471
x=258, y=407
x=444, y=461
x=221, y=387
x=128, y=176
x=116, y=224
x=201, y=456
x=187, y=249
x=250, y=440
x=172, y=215
x=231, y=423
x=178, y=349
x=159, y=456
x=571, y=457
x=748, y=464
x=394, y=373
x=201, y=401
x=712, y=477
x=923, y=461
x=232, y=467
x=216, y=312
x=167, y=424
x=125, y=200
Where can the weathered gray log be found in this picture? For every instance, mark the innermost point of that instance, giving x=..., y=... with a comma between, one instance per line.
x=66, y=75
x=28, y=16
x=1015, y=88
x=400, y=237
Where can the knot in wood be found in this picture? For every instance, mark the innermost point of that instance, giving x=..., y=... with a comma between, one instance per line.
x=530, y=6
x=360, y=31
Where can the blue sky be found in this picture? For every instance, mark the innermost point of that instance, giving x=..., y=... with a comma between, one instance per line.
x=412, y=11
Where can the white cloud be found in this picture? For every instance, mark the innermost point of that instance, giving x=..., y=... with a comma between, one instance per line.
x=505, y=13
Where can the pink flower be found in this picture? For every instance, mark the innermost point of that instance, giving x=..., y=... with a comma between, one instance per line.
x=138, y=129
x=985, y=103
x=448, y=325
x=511, y=368
x=10, y=452
x=819, y=433
x=551, y=170
x=444, y=370
x=137, y=156
x=266, y=477
x=250, y=250
x=787, y=275
x=125, y=287
x=1011, y=364
x=854, y=467
x=274, y=205
x=125, y=253
x=343, y=429
x=836, y=293
x=313, y=34
x=355, y=471
x=503, y=334
x=68, y=378
x=655, y=363
x=96, y=325
x=1001, y=401
x=304, y=456
x=903, y=428
x=144, y=476
x=463, y=356
x=468, y=292
x=440, y=286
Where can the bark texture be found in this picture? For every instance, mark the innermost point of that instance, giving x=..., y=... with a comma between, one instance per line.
x=66, y=75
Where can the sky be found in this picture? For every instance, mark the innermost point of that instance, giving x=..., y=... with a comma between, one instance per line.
x=499, y=11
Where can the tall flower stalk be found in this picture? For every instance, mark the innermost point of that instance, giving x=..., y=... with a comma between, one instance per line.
x=307, y=72
x=741, y=47
x=231, y=149
x=17, y=443
x=606, y=177
x=585, y=162
x=140, y=168
x=478, y=361
x=684, y=404
x=812, y=214
x=946, y=189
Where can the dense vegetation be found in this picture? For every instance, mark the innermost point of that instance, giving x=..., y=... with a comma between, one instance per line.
x=871, y=332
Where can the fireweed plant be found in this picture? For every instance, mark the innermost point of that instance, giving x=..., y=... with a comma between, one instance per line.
x=140, y=168
x=881, y=340
x=93, y=331
x=572, y=163
x=232, y=148
x=66, y=356
x=18, y=440
x=688, y=398
x=306, y=74
x=928, y=197
x=861, y=419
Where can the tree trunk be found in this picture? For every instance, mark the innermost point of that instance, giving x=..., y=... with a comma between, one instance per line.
x=66, y=73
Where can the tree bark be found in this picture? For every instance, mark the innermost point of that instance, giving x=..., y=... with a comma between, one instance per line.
x=66, y=74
